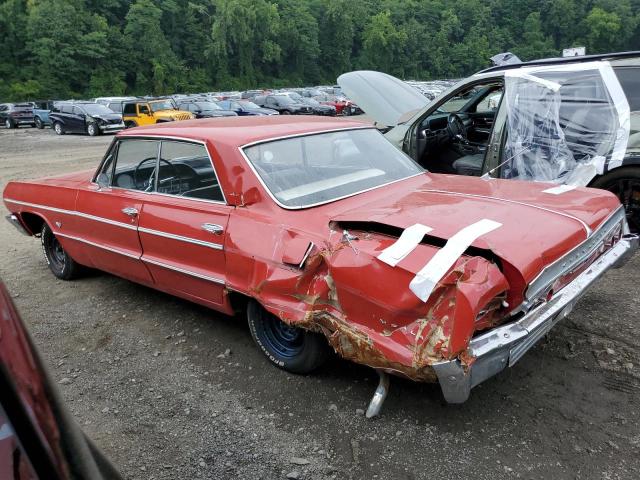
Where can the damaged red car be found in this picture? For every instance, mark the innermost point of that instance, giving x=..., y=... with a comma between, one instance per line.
x=328, y=236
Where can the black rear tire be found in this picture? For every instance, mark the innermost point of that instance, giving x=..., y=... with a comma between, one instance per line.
x=9, y=123
x=59, y=261
x=625, y=184
x=58, y=128
x=38, y=123
x=289, y=348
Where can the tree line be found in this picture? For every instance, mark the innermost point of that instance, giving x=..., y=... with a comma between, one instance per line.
x=85, y=48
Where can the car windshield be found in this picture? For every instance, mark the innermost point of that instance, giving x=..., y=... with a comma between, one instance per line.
x=284, y=100
x=314, y=169
x=162, y=105
x=208, y=106
x=249, y=105
x=96, y=109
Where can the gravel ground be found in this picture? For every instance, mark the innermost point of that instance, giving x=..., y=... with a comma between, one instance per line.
x=171, y=390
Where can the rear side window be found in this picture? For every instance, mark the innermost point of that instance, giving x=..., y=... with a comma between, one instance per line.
x=116, y=107
x=129, y=109
x=629, y=78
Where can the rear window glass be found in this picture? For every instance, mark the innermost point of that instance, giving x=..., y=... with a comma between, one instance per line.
x=629, y=78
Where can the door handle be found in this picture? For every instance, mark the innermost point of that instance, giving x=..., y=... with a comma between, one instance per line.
x=213, y=228
x=132, y=212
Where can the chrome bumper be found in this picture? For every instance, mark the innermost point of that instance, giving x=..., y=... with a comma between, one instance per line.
x=503, y=346
x=15, y=221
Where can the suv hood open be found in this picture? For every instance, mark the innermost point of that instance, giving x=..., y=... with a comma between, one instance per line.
x=385, y=98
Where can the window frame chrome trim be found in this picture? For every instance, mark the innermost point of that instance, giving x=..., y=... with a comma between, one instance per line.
x=319, y=132
x=159, y=138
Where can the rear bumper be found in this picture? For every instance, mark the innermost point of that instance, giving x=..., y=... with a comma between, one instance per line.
x=502, y=347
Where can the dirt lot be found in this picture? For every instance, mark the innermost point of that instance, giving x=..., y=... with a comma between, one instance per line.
x=146, y=376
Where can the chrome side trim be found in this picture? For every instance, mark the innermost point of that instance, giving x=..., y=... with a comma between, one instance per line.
x=586, y=227
x=98, y=245
x=182, y=270
x=575, y=257
x=74, y=213
x=503, y=346
x=15, y=221
x=215, y=246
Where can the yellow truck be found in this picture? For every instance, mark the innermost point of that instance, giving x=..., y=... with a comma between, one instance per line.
x=148, y=112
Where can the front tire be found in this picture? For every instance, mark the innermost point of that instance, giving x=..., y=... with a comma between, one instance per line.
x=130, y=124
x=289, y=348
x=57, y=127
x=9, y=123
x=93, y=130
x=39, y=124
x=59, y=261
x=625, y=184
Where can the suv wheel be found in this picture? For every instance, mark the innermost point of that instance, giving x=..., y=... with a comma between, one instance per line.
x=39, y=123
x=129, y=124
x=9, y=123
x=93, y=130
x=57, y=127
x=285, y=112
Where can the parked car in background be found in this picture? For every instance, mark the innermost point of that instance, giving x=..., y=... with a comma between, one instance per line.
x=114, y=103
x=205, y=109
x=341, y=104
x=316, y=107
x=283, y=104
x=84, y=117
x=41, y=113
x=572, y=121
x=12, y=115
x=324, y=231
x=148, y=112
x=245, y=107
x=39, y=439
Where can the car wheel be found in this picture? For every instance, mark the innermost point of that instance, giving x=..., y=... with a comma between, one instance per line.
x=290, y=348
x=38, y=123
x=625, y=184
x=59, y=261
x=129, y=124
x=285, y=112
x=9, y=123
x=93, y=130
x=57, y=127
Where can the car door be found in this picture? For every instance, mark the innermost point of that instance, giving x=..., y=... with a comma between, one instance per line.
x=77, y=119
x=3, y=113
x=108, y=211
x=183, y=224
x=145, y=117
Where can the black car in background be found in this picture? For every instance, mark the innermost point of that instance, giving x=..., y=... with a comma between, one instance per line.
x=204, y=109
x=13, y=115
x=245, y=108
x=283, y=104
x=84, y=117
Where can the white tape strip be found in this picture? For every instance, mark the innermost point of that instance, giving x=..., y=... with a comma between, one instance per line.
x=559, y=189
x=410, y=238
x=426, y=279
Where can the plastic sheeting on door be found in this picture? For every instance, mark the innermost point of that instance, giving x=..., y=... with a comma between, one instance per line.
x=566, y=123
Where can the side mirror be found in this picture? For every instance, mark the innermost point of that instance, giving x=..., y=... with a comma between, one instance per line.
x=102, y=181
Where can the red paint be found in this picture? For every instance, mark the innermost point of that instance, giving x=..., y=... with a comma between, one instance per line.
x=363, y=305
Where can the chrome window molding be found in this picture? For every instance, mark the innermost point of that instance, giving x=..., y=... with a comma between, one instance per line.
x=575, y=257
x=215, y=246
x=586, y=227
x=311, y=205
x=160, y=138
x=182, y=270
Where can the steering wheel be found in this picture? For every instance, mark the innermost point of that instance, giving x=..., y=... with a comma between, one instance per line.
x=149, y=159
x=456, y=129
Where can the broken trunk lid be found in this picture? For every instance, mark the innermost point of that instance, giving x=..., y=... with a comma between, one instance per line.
x=383, y=97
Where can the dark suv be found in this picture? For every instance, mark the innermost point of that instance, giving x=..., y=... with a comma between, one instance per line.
x=283, y=104
x=13, y=115
x=84, y=117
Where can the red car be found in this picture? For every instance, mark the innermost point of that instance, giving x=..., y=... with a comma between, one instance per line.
x=341, y=104
x=328, y=235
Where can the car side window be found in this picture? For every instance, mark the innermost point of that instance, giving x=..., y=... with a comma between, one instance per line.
x=185, y=169
x=129, y=109
x=77, y=111
x=143, y=109
x=135, y=165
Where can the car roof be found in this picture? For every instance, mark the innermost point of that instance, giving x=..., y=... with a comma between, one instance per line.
x=563, y=60
x=239, y=131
